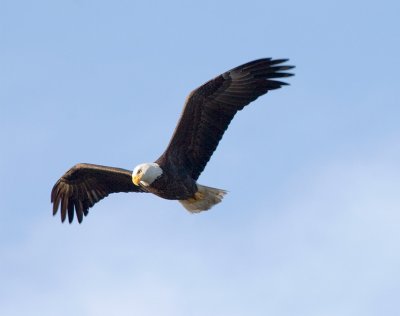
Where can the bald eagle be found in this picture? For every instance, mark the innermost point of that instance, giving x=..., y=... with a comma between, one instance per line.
x=206, y=115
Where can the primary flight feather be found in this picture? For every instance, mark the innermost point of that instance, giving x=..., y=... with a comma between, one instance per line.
x=206, y=115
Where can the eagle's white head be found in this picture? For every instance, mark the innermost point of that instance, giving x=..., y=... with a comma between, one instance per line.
x=146, y=173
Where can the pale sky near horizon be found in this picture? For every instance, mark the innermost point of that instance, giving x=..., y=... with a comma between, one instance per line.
x=310, y=225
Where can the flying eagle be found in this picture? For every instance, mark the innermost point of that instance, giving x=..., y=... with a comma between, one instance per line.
x=206, y=115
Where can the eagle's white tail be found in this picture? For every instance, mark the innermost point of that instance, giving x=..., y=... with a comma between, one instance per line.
x=204, y=199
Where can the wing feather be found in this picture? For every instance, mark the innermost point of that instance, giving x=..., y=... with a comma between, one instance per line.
x=84, y=185
x=210, y=108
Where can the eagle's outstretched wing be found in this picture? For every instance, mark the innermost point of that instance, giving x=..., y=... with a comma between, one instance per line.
x=84, y=185
x=210, y=108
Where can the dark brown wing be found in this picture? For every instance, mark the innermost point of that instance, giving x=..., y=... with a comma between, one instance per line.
x=210, y=108
x=84, y=185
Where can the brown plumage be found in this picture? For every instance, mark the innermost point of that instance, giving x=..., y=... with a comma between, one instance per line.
x=210, y=108
x=207, y=113
x=85, y=184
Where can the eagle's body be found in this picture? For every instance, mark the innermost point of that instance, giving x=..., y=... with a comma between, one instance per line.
x=173, y=184
x=173, y=176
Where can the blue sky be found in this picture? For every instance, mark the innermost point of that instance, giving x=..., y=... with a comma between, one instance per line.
x=310, y=224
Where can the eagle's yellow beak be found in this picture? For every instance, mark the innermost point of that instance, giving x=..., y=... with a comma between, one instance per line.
x=136, y=179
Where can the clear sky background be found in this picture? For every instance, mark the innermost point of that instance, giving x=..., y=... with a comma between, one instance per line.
x=311, y=222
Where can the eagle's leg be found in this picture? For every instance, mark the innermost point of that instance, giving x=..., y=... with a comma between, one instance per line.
x=203, y=199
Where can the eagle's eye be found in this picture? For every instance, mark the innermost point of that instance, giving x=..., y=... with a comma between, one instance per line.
x=139, y=171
